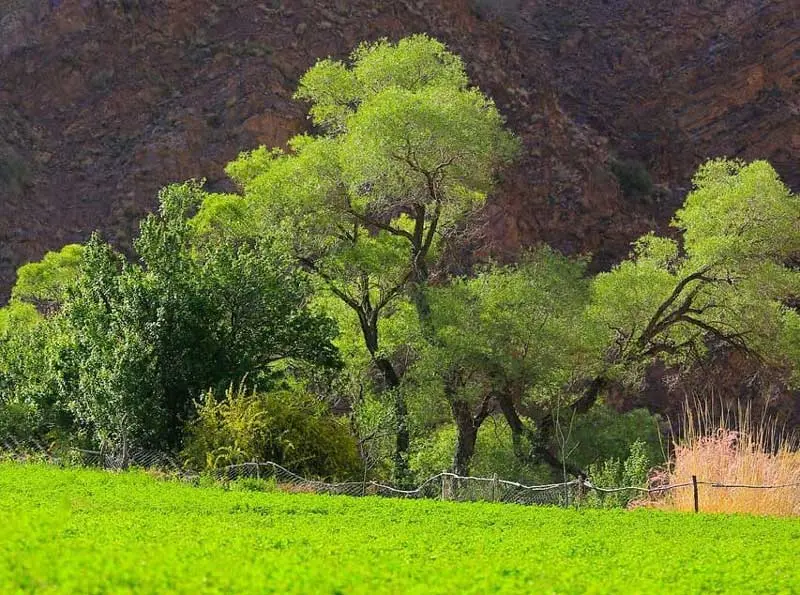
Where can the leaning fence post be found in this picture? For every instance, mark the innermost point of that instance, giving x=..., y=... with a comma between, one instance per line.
x=495, y=485
x=696, y=495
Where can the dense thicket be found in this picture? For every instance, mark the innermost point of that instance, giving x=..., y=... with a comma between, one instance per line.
x=317, y=288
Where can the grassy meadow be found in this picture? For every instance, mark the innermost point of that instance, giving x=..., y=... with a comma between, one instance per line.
x=86, y=531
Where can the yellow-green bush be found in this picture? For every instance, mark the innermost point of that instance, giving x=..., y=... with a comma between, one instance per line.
x=290, y=427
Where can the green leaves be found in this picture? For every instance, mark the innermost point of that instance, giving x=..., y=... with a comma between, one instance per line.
x=47, y=281
x=739, y=213
x=729, y=287
x=336, y=90
x=409, y=149
x=193, y=314
x=289, y=426
x=522, y=322
x=436, y=146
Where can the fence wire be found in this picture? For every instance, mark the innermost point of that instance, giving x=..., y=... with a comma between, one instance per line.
x=443, y=486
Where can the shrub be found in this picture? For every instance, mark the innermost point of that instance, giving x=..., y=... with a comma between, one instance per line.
x=615, y=473
x=290, y=427
x=633, y=177
x=19, y=421
x=603, y=434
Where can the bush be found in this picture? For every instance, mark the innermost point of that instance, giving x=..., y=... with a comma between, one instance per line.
x=633, y=177
x=753, y=454
x=30, y=347
x=290, y=427
x=19, y=421
x=615, y=473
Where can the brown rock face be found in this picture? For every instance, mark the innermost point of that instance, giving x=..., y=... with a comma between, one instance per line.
x=104, y=101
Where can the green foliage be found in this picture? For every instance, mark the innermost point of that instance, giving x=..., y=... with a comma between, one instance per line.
x=739, y=215
x=728, y=289
x=48, y=280
x=150, y=337
x=30, y=373
x=67, y=531
x=603, y=434
x=406, y=151
x=522, y=323
x=614, y=473
x=17, y=316
x=494, y=455
x=19, y=420
x=288, y=426
x=409, y=150
x=415, y=63
x=633, y=177
x=254, y=484
x=511, y=336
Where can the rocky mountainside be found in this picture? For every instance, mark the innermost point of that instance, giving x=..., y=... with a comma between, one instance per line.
x=104, y=101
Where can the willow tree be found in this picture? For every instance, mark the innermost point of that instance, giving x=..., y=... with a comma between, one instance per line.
x=503, y=340
x=406, y=150
x=727, y=284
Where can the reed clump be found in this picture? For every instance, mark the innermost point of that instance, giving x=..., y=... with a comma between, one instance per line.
x=734, y=451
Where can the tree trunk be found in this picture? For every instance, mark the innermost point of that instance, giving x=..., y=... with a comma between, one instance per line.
x=538, y=451
x=391, y=379
x=402, y=473
x=466, y=438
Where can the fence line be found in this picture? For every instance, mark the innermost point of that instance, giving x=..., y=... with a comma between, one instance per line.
x=756, y=487
x=444, y=486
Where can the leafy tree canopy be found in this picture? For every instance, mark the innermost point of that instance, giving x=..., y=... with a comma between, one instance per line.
x=408, y=149
x=46, y=281
x=727, y=286
x=151, y=336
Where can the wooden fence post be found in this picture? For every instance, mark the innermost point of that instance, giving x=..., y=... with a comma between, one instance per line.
x=446, y=486
x=696, y=495
x=581, y=491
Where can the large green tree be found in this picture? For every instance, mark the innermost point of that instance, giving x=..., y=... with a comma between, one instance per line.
x=406, y=149
x=504, y=341
x=727, y=283
x=148, y=337
x=32, y=339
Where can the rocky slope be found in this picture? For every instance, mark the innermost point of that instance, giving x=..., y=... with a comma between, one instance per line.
x=104, y=101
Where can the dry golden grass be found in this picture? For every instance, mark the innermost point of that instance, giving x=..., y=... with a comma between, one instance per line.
x=756, y=454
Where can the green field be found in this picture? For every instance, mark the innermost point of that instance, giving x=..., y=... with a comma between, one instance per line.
x=83, y=531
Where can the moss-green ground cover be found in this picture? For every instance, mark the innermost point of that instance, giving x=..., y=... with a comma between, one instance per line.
x=81, y=531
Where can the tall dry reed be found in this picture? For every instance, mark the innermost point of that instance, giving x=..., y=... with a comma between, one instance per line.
x=728, y=447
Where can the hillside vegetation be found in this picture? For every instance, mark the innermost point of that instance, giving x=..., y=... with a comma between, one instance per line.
x=311, y=319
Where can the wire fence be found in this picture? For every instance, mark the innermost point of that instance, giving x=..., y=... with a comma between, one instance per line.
x=442, y=486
